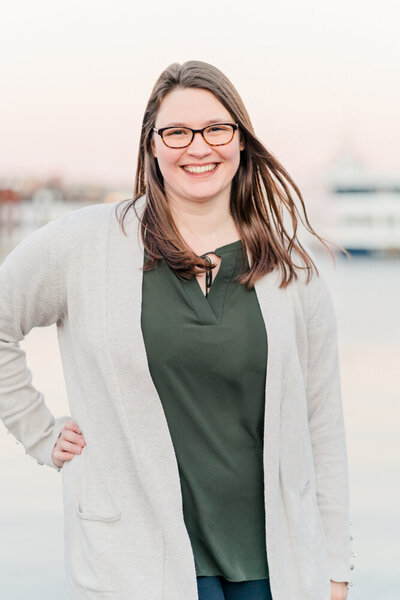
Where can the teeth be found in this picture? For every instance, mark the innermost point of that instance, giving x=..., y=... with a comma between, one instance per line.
x=200, y=169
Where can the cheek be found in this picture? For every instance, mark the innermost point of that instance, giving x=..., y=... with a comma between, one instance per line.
x=230, y=152
x=167, y=161
x=231, y=156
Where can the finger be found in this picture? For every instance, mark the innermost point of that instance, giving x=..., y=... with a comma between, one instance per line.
x=70, y=446
x=62, y=456
x=75, y=438
x=73, y=426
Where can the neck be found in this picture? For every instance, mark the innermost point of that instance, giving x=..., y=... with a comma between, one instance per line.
x=204, y=224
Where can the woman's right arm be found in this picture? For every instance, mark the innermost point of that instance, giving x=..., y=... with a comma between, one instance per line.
x=29, y=297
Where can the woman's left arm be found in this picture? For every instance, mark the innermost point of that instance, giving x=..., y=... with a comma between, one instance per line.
x=327, y=432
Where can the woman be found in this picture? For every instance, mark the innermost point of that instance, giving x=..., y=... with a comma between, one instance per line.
x=201, y=368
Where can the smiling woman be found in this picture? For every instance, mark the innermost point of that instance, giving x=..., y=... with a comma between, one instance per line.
x=197, y=163
x=214, y=201
x=206, y=454
x=199, y=153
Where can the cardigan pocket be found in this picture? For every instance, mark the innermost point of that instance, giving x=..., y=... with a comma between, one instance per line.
x=308, y=541
x=314, y=523
x=79, y=593
x=321, y=527
x=94, y=534
x=106, y=518
x=96, y=554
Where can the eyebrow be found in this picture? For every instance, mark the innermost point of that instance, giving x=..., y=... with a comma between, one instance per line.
x=205, y=124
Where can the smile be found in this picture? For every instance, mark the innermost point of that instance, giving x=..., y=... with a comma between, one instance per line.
x=200, y=170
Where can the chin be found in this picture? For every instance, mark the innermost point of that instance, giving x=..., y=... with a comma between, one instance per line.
x=202, y=195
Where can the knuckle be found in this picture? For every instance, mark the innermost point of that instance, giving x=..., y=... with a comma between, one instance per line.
x=75, y=448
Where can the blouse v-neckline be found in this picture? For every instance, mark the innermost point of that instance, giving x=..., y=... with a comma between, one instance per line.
x=209, y=308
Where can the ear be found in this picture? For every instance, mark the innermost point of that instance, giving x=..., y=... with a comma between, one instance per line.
x=242, y=144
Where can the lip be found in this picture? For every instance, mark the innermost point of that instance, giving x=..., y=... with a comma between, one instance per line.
x=200, y=175
x=215, y=162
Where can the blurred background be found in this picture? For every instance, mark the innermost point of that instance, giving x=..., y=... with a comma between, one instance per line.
x=321, y=84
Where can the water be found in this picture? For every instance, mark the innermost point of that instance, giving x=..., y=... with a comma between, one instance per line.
x=366, y=293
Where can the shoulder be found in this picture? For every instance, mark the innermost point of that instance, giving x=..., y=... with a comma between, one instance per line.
x=130, y=208
x=68, y=230
x=87, y=218
x=80, y=228
x=70, y=236
x=315, y=292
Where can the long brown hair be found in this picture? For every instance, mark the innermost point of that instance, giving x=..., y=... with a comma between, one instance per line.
x=259, y=191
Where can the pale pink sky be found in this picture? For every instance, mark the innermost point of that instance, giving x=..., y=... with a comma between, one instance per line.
x=76, y=76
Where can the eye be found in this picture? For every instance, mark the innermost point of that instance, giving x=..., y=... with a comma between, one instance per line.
x=218, y=128
x=175, y=132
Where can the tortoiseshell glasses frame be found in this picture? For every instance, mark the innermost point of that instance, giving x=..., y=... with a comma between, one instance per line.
x=161, y=134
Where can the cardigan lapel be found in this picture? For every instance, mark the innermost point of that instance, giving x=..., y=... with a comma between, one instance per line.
x=141, y=411
x=274, y=307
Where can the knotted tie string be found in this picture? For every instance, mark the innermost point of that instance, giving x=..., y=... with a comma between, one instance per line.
x=208, y=273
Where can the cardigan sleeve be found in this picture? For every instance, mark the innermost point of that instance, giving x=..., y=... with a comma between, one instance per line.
x=327, y=430
x=29, y=297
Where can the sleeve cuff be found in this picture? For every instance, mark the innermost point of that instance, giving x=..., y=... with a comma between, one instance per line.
x=43, y=450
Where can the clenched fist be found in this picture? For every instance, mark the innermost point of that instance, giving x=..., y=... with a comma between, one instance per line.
x=69, y=442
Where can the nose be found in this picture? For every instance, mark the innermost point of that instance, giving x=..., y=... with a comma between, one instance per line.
x=199, y=146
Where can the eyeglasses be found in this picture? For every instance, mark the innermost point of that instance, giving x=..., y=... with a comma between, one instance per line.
x=181, y=137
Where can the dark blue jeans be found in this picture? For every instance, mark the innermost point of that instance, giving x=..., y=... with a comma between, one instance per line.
x=219, y=588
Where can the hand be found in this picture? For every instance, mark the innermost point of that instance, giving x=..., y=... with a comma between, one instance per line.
x=69, y=442
x=339, y=590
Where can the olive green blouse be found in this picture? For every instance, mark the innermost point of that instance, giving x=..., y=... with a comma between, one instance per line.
x=207, y=357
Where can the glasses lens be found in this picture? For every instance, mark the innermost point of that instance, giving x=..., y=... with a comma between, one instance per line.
x=177, y=137
x=218, y=134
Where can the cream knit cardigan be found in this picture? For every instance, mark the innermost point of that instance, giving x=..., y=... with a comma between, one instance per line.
x=125, y=536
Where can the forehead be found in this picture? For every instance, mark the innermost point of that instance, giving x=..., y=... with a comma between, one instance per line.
x=192, y=107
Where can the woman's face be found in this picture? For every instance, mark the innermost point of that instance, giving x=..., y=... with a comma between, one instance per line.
x=195, y=108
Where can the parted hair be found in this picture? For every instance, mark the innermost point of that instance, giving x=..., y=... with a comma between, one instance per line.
x=260, y=192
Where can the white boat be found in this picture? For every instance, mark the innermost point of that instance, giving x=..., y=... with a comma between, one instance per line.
x=365, y=207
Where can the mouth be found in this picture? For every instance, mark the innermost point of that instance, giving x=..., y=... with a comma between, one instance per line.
x=200, y=171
